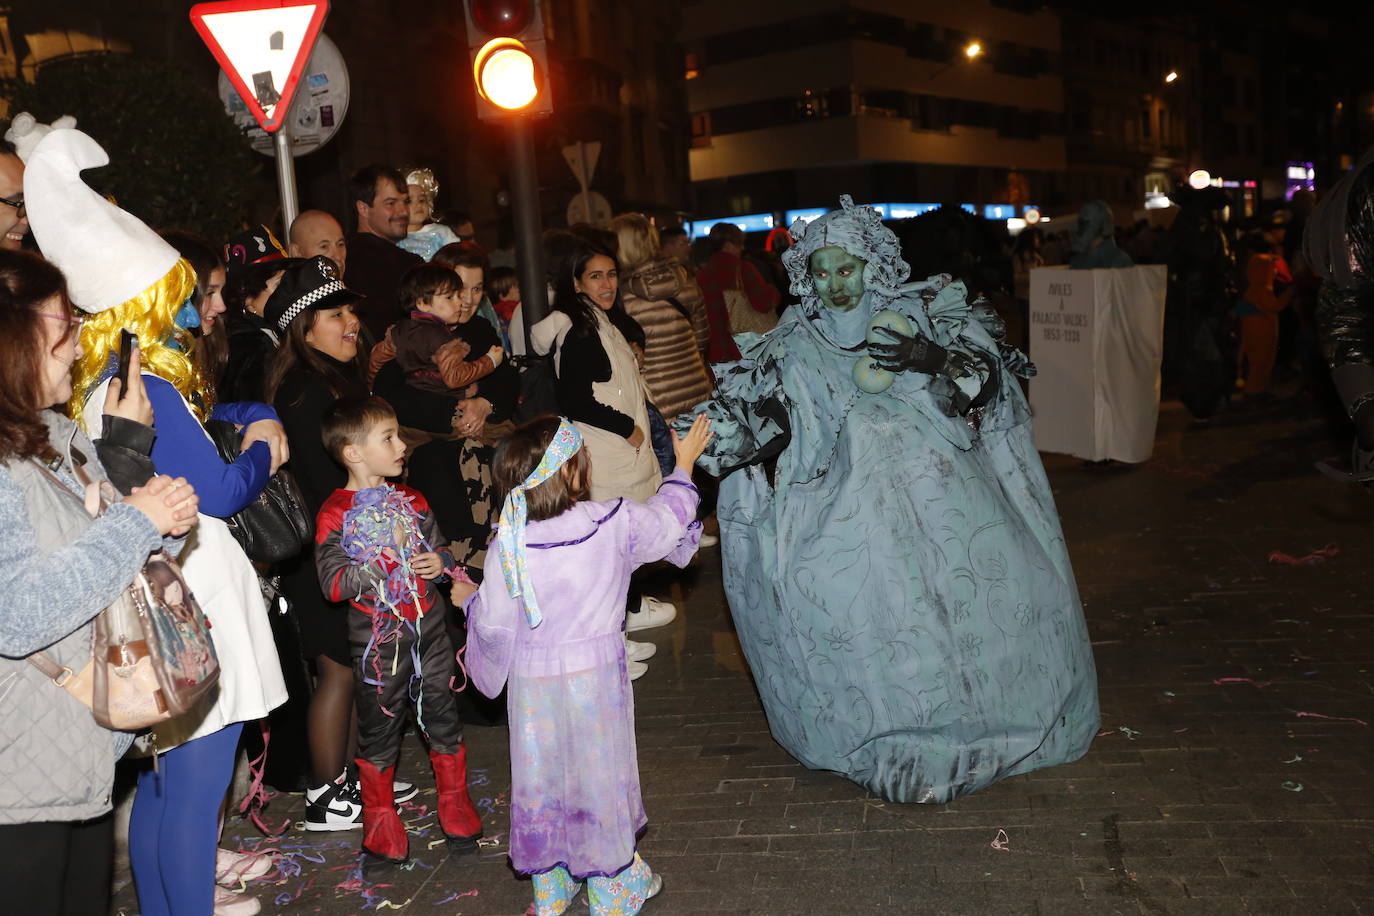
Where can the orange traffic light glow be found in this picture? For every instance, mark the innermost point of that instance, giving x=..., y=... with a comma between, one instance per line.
x=505, y=73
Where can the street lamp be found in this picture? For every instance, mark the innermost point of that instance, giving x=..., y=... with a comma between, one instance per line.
x=972, y=51
x=1171, y=76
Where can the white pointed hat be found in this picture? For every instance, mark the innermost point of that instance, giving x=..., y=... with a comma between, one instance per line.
x=26, y=130
x=108, y=256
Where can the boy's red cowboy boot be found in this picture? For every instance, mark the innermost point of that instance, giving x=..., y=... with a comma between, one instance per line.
x=459, y=820
x=385, y=842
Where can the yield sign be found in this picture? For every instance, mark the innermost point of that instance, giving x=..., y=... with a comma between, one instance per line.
x=262, y=46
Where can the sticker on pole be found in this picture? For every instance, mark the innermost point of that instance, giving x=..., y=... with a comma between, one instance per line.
x=262, y=46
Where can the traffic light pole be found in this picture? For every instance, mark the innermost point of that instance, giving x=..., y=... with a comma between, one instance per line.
x=529, y=245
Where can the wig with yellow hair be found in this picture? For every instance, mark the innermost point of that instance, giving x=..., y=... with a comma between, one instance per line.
x=152, y=316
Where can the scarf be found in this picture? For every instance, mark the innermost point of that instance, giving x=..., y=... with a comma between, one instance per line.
x=510, y=536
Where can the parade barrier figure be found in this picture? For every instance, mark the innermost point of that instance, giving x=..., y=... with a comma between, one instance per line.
x=1097, y=338
x=892, y=555
x=548, y=621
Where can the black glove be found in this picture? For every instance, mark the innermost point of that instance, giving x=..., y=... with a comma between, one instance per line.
x=915, y=354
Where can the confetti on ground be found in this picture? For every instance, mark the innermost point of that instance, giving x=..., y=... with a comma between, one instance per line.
x=455, y=896
x=1001, y=842
x=1291, y=786
x=1317, y=715
x=1312, y=559
x=1296, y=758
x=1130, y=733
x=1240, y=680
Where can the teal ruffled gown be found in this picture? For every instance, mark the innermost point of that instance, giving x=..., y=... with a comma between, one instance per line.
x=901, y=588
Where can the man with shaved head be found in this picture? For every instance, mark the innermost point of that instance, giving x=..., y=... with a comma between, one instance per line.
x=316, y=232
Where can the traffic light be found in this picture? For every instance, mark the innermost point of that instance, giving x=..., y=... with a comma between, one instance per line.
x=510, y=65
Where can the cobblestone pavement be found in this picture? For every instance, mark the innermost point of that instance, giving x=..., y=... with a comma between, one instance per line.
x=1231, y=775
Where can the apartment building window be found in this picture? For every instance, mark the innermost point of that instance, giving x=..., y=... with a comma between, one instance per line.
x=1145, y=124
x=1229, y=139
x=811, y=105
x=701, y=130
x=691, y=66
x=930, y=113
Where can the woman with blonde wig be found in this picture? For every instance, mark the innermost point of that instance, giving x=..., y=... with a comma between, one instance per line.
x=124, y=276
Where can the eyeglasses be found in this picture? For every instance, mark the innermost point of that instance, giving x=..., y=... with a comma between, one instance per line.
x=73, y=320
x=18, y=205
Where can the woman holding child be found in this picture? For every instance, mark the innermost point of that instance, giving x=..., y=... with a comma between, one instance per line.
x=443, y=370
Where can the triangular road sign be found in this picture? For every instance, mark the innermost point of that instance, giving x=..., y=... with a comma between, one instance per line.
x=262, y=46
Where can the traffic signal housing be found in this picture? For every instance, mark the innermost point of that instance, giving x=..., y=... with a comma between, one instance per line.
x=509, y=55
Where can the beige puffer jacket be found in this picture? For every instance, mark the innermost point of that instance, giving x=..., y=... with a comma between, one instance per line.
x=668, y=305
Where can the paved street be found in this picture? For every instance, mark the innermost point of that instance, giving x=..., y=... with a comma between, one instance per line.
x=1231, y=775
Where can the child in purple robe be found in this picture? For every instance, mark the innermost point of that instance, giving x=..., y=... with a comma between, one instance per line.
x=548, y=621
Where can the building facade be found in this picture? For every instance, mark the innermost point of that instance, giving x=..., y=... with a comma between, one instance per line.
x=793, y=105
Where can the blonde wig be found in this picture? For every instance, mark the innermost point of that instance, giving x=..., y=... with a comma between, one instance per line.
x=152, y=316
x=636, y=240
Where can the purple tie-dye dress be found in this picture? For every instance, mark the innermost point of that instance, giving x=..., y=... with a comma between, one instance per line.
x=575, y=799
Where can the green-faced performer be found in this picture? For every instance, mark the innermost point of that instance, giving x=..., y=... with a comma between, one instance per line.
x=899, y=579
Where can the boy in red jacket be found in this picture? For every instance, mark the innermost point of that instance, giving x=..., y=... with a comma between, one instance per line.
x=373, y=550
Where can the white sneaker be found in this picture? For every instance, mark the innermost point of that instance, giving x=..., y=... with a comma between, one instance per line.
x=333, y=806
x=653, y=612
x=403, y=791
x=637, y=669
x=639, y=651
x=233, y=868
x=708, y=540
x=228, y=903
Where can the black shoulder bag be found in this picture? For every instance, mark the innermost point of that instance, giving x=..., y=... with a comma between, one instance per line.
x=275, y=526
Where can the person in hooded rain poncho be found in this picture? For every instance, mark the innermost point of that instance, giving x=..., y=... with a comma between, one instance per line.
x=899, y=579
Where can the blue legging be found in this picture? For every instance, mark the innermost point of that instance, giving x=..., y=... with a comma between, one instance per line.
x=174, y=828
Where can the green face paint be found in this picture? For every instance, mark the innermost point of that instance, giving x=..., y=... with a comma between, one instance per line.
x=839, y=278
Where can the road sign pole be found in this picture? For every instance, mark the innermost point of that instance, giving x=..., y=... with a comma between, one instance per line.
x=529, y=245
x=286, y=179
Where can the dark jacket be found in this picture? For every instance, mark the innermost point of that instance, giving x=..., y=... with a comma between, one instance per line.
x=374, y=269
x=252, y=344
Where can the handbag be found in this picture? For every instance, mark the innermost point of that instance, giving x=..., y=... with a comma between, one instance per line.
x=275, y=526
x=152, y=657
x=744, y=318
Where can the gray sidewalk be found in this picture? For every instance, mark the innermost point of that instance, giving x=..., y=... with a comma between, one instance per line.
x=1232, y=773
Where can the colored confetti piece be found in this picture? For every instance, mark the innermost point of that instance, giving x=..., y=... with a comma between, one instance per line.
x=1317, y=715
x=1240, y=680
x=1312, y=559
x=452, y=897
x=1001, y=842
x=1291, y=786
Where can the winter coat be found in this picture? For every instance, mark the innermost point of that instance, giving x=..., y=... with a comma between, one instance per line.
x=59, y=567
x=668, y=305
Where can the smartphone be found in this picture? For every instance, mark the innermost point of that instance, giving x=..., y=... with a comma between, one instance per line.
x=127, y=341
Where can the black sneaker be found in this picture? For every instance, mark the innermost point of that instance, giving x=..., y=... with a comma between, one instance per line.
x=333, y=806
